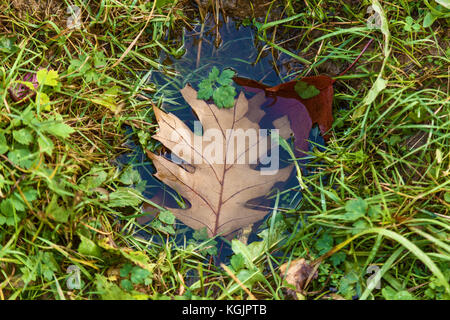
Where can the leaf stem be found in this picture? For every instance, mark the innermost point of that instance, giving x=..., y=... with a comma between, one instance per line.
x=357, y=58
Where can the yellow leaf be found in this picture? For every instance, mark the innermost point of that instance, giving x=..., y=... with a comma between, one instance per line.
x=44, y=101
x=47, y=77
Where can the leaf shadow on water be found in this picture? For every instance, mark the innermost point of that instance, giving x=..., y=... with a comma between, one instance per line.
x=239, y=51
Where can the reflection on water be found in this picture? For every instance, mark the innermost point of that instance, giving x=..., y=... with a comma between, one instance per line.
x=239, y=50
x=248, y=58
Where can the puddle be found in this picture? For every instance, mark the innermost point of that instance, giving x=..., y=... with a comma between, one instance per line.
x=238, y=50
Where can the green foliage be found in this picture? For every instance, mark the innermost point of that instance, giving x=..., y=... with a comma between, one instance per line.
x=305, y=90
x=7, y=45
x=28, y=136
x=110, y=291
x=133, y=275
x=436, y=290
x=410, y=25
x=338, y=258
x=42, y=264
x=203, y=243
x=89, y=248
x=55, y=127
x=164, y=222
x=56, y=211
x=219, y=87
x=324, y=243
x=109, y=98
x=237, y=262
x=124, y=197
x=355, y=209
x=349, y=285
x=166, y=217
x=391, y=294
x=246, y=258
x=447, y=197
x=441, y=10
x=23, y=136
x=22, y=157
x=47, y=77
x=130, y=176
x=94, y=178
x=8, y=213
x=3, y=144
x=88, y=67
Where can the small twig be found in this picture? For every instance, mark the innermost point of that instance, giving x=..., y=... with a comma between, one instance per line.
x=202, y=15
x=135, y=39
x=183, y=285
x=216, y=13
x=357, y=58
x=199, y=50
x=318, y=291
x=96, y=230
x=6, y=105
x=311, y=275
x=418, y=287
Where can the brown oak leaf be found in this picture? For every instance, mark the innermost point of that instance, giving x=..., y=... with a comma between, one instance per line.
x=217, y=175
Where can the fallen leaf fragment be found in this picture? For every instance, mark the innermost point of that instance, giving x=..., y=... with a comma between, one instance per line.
x=296, y=273
x=26, y=88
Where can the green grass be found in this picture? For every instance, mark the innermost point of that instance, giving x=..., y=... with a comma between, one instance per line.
x=379, y=195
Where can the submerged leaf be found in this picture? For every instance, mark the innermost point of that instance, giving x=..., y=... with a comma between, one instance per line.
x=287, y=101
x=218, y=180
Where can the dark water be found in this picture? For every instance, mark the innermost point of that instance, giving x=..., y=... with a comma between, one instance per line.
x=239, y=51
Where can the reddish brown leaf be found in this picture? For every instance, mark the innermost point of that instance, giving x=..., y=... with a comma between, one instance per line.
x=319, y=107
x=20, y=92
